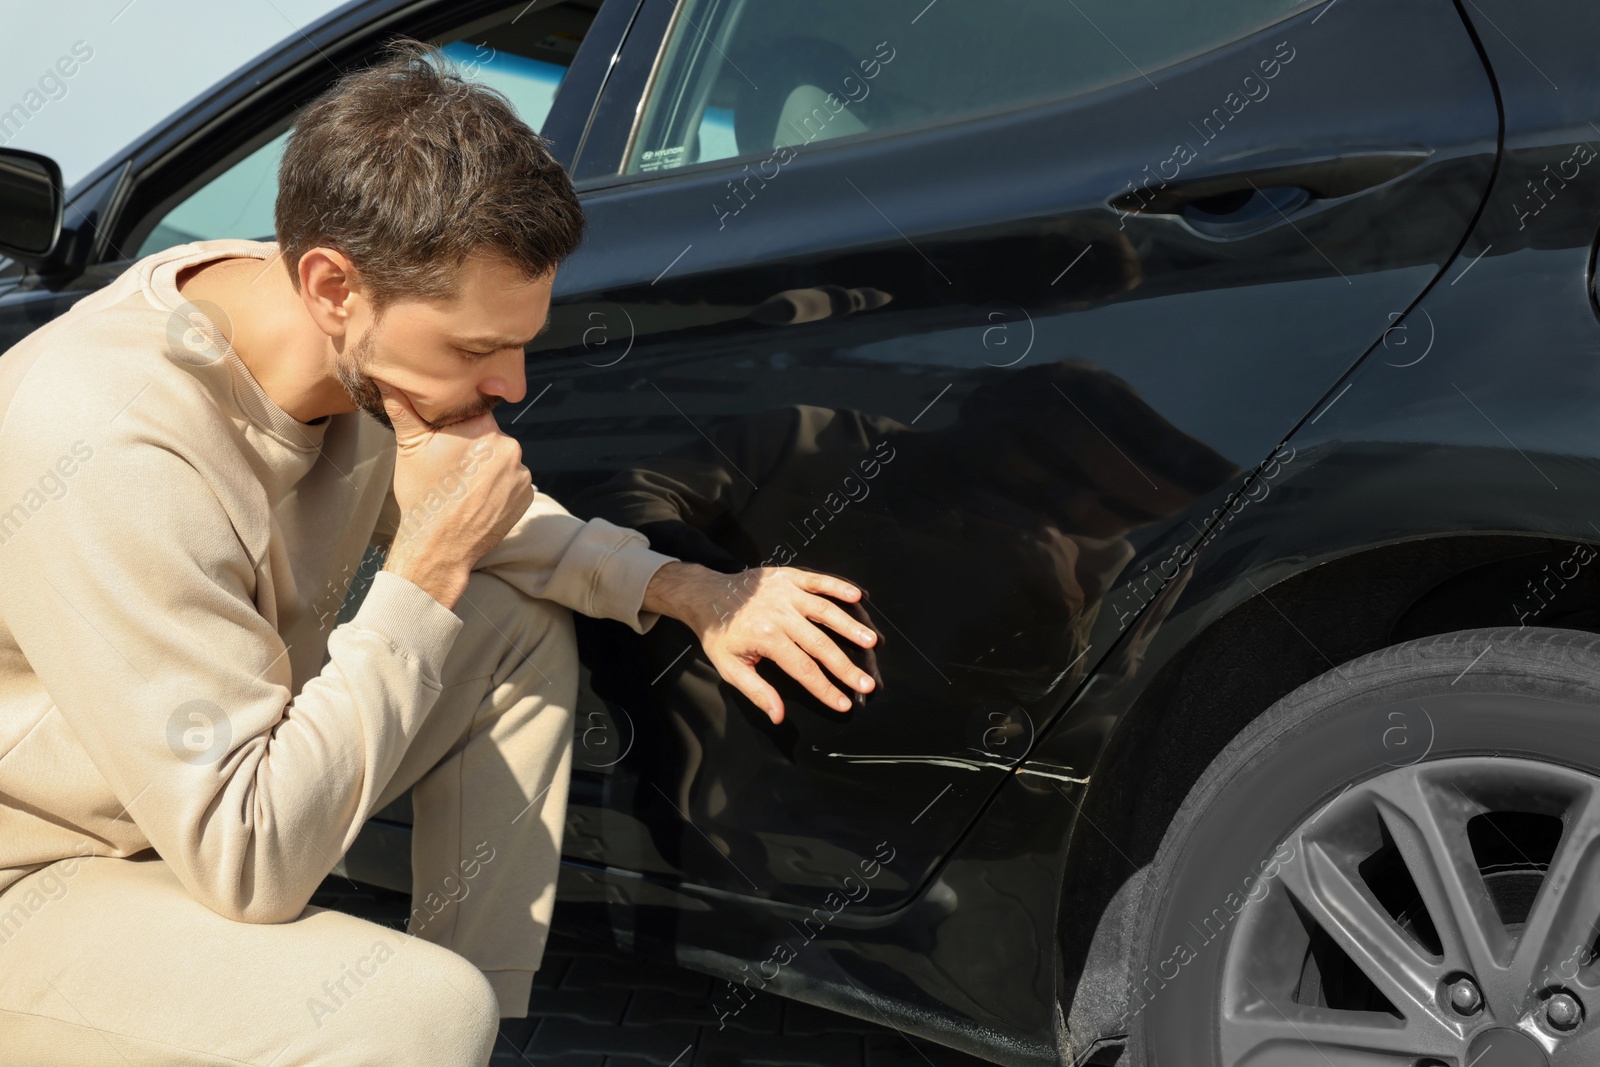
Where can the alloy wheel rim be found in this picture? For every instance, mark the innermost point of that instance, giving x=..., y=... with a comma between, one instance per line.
x=1446, y=912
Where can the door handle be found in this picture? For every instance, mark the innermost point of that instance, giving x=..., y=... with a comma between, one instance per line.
x=1243, y=211
x=1251, y=197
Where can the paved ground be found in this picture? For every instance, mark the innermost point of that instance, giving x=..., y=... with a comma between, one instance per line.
x=592, y=1007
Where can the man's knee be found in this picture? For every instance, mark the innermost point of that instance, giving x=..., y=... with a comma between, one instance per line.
x=428, y=1005
x=499, y=600
x=539, y=633
x=464, y=1001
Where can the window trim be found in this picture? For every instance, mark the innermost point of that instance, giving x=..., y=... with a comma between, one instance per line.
x=648, y=32
x=657, y=66
x=592, y=71
x=595, y=182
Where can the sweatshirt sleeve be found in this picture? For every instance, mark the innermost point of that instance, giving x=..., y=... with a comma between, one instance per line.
x=594, y=567
x=134, y=601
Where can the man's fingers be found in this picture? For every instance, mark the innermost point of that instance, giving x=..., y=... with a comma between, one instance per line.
x=743, y=677
x=813, y=582
x=408, y=425
x=826, y=651
x=824, y=610
x=803, y=669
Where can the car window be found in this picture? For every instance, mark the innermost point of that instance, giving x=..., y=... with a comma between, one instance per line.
x=524, y=54
x=743, y=78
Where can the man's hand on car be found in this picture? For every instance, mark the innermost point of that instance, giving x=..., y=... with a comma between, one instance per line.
x=767, y=613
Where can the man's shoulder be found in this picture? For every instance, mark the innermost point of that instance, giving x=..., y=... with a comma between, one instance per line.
x=133, y=337
x=122, y=372
x=141, y=297
x=91, y=360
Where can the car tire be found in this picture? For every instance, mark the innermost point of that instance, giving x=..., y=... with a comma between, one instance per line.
x=1397, y=863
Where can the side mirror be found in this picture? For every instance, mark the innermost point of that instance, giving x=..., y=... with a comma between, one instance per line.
x=31, y=205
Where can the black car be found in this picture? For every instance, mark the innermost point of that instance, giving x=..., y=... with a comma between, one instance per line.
x=1207, y=397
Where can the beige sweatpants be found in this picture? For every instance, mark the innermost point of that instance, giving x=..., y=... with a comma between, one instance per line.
x=109, y=961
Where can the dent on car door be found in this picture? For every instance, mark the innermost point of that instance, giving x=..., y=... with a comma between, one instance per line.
x=984, y=309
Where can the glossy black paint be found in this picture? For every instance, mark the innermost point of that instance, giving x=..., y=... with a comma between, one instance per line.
x=1065, y=554
x=1443, y=484
x=1063, y=366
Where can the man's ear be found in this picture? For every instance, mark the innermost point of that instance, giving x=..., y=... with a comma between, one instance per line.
x=330, y=288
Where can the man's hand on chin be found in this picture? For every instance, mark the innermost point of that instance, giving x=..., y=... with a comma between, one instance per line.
x=766, y=613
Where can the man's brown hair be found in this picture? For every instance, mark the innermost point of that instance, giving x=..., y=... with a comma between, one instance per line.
x=408, y=169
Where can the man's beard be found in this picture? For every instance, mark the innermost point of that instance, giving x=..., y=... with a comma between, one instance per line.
x=350, y=366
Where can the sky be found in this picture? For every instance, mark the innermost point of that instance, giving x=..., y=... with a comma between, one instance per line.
x=131, y=65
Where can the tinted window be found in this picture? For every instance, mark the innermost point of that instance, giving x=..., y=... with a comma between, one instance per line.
x=524, y=54
x=741, y=78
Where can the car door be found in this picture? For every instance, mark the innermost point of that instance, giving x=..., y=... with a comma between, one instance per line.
x=982, y=307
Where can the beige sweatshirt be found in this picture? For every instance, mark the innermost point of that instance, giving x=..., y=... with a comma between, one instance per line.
x=174, y=550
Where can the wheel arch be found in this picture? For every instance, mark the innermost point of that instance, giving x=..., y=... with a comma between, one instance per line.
x=1277, y=635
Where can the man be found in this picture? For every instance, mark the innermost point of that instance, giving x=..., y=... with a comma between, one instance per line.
x=189, y=461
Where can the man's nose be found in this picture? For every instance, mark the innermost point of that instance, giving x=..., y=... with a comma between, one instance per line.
x=508, y=377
